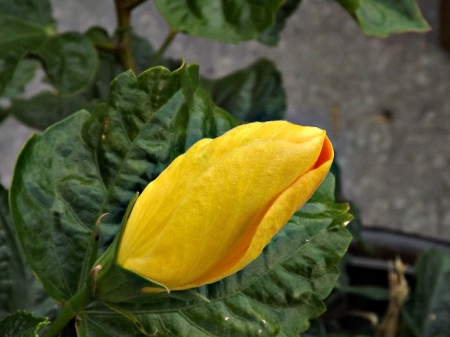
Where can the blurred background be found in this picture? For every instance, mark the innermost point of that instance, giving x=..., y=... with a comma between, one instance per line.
x=384, y=102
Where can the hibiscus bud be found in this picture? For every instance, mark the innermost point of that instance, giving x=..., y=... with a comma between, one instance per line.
x=215, y=208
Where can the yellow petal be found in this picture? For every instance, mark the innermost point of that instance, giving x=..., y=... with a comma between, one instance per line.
x=213, y=210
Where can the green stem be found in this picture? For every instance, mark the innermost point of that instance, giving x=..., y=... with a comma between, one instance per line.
x=166, y=43
x=124, y=30
x=108, y=46
x=77, y=303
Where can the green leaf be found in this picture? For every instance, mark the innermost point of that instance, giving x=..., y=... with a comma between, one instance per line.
x=223, y=20
x=45, y=109
x=427, y=312
x=70, y=61
x=88, y=165
x=24, y=26
x=21, y=324
x=38, y=12
x=275, y=295
x=270, y=36
x=19, y=289
x=252, y=94
x=24, y=72
x=9, y=255
x=384, y=17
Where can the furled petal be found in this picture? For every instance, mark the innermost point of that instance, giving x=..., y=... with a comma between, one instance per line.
x=215, y=208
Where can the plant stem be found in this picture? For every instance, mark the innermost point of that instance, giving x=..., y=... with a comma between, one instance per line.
x=134, y=3
x=108, y=46
x=166, y=43
x=77, y=303
x=123, y=12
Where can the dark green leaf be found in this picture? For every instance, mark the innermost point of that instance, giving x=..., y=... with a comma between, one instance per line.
x=427, y=312
x=38, y=12
x=142, y=51
x=109, y=64
x=270, y=36
x=355, y=226
x=24, y=72
x=19, y=289
x=45, y=109
x=88, y=165
x=384, y=17
x=10, y=260
x=70, y=61
x=224, y=20
x=252, y=94
x=24, y=25
x=275, y=295
x=21, y=324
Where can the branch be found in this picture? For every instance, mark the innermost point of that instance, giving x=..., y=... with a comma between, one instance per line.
x=123, y=11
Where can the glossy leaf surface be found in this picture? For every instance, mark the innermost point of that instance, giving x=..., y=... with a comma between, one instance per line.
x=252, y=94
x=88, y=165
x=223, y=20
x=384, y=17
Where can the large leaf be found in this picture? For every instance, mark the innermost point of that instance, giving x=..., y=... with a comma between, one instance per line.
x=224, y=20
x=252, y=94
x=19, y=289
x=24, y=26
x=275, y=295
x=270, y=36
x=21, y=324
x=427, y=312
x=70, y=61
x=384, y=17
x=47, y=108
x=27, y=28
x=88, y=165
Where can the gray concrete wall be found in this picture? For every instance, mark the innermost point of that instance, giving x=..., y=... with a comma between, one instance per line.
x=395, y=169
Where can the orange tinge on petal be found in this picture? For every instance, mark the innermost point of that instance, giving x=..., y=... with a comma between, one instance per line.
x=215, y=208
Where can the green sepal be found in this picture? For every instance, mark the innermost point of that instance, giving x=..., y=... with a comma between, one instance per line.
x=110, y=282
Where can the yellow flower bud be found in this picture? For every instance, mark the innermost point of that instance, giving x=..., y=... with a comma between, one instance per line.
x=215, y=208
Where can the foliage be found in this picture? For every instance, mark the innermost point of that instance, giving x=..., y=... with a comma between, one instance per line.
x=384, y=17
x=109, y=133
x=426, y=314
x=28, y=32
x=21, y=324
